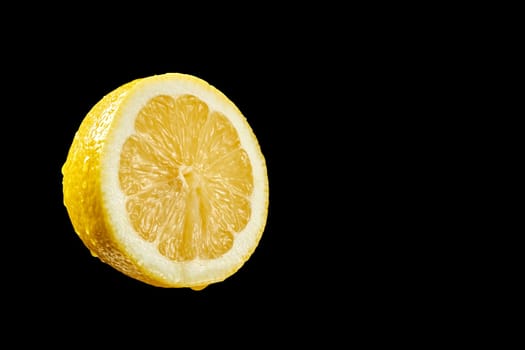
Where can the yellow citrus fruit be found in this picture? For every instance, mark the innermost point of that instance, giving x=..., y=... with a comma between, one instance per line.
x=165, y=181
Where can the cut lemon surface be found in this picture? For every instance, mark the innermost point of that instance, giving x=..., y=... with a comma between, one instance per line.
x=165, y=181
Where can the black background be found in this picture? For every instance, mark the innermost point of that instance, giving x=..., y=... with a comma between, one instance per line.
x=329, y=98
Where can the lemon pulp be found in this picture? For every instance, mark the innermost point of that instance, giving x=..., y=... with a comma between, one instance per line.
x=186, y=178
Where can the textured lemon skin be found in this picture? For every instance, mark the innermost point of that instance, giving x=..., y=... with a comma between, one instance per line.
x=82, y=188
x=84, y=200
